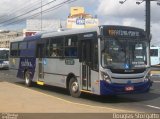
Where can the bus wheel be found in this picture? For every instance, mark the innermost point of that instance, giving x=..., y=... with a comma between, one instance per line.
x=28, y=80
x=74, y=88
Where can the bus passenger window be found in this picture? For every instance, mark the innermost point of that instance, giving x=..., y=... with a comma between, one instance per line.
x=71, y=45
x=14, y=50
x=72, y=52
x=56, y=47
x=54, y=52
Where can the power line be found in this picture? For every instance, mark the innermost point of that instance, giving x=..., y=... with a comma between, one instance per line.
x=27, y=12
x=11, y=11
x=37, y=14
x=54, y=7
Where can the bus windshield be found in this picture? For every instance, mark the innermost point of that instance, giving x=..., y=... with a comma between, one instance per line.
x=123, y=53
x=4, y=54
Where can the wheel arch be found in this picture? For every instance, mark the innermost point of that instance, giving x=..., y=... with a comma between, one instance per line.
x=25, y=70
x=70, y=75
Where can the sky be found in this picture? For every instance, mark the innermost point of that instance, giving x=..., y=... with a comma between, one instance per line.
x=109, y=12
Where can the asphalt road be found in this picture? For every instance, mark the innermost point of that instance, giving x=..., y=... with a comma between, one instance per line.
x=146, y=102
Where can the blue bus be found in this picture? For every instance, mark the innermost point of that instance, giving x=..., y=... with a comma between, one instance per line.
x=105, y=60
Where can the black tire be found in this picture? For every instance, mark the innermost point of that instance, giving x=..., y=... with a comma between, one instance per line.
x=74, y=88
x=27, y=77
x=148, y=90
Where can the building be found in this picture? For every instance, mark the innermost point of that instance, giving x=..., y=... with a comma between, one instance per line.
x=7, y=36
x=34, y=26
x=76, y=19
x=79, y=19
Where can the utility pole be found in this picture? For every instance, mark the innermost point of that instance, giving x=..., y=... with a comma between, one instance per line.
x=148, y=19
x=148, y=15
x=41, y=15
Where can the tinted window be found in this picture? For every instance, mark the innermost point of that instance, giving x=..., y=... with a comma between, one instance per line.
x=14, y=52
x=31, y=48
x=31, y=45
x=14, y=46
x=56, y=47
x=23, y=45
x=153, y=52
x=71, y=44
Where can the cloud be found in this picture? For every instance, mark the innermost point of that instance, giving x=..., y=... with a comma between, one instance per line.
x=63, y=12
x=113, y=8
x=155, y=33
x=129, y=14
x=109, y=12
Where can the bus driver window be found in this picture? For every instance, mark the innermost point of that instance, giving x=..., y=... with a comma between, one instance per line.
x=54, y=52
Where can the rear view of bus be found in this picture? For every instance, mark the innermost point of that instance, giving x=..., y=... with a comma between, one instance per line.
x=4, y=61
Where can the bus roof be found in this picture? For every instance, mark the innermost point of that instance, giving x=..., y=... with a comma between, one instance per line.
x=68, y=32
x=35, y=37
x=84, y=30
x=28, y=38
x=63, y=32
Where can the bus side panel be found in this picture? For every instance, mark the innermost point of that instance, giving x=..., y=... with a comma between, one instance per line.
x=56, y=71
x=14, y=65
x=95, y=86
x=26, y=63
x=35, y=76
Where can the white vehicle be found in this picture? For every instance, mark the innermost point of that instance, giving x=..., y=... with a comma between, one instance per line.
x=4, y=58
x=155, y=55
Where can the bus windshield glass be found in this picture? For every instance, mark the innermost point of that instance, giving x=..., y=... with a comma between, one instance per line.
x=123, y=53
x=4, y=54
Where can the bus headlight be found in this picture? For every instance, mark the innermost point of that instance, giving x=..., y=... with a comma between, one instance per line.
x=105, y=76
x=147, y=78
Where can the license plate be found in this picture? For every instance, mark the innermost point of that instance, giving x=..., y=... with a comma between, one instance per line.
x=129, y=88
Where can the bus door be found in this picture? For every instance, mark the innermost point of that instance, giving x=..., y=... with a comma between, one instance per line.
x=86, y=62
x=40, y=53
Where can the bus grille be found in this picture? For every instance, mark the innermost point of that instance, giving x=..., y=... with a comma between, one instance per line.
x=123, y=71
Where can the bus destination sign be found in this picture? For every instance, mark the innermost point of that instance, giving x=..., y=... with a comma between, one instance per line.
x=121, y=31
x=129, y=33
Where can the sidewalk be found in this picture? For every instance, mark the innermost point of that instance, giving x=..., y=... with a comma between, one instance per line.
x=17, y=99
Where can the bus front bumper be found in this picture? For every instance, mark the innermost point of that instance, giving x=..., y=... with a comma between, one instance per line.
x=115, y=89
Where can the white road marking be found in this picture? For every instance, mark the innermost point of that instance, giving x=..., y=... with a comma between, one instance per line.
x=153, y=106
x=156, y=81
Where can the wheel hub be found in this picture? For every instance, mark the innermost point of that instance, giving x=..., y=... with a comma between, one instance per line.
x=75, y=87
x=27, y=79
